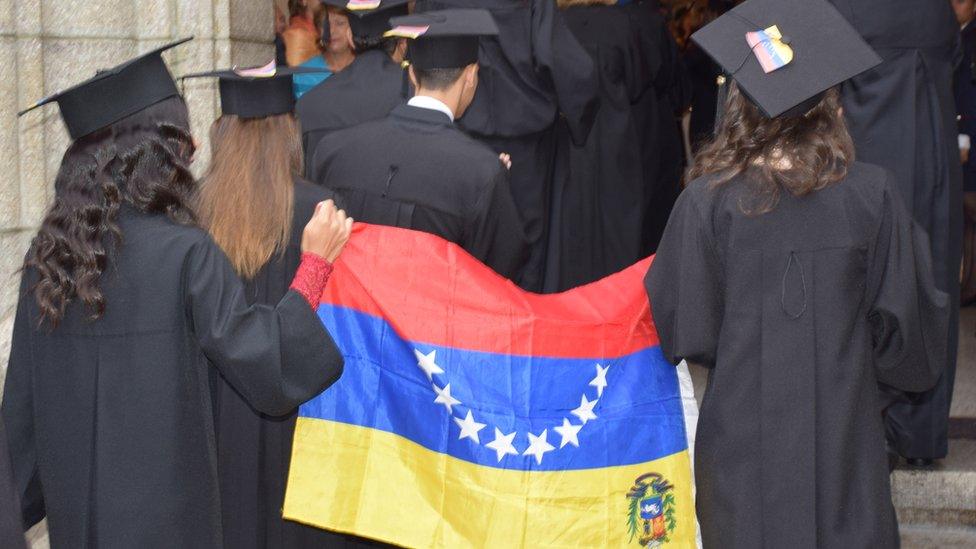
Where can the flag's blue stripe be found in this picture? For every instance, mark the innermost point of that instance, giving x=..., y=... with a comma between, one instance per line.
x=640, y=415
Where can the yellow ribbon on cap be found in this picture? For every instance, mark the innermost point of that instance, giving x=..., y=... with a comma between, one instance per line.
x=355, y=5
x=406, y=31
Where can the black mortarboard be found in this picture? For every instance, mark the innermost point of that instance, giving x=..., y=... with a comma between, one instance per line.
x=369, y=19
x=115, y=93
x=786, y=69
x=444, y=39
x=257, y=92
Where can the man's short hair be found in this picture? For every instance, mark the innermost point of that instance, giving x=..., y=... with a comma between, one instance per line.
x=437, y=79
x=387, y=45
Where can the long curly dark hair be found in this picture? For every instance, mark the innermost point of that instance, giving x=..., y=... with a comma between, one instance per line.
x=141, y=160
x=800, y=154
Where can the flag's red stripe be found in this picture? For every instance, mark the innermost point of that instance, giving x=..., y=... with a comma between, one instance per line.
x=432, y=291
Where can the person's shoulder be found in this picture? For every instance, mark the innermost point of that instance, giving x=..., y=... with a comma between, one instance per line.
x=352, y=138
x=472, y=154
x=157, y=236
x=160, y=226
x=469, y=145
x=308, y=194
x=702, y=190
x=867, y=181
x=322, y=97
x=306, y=197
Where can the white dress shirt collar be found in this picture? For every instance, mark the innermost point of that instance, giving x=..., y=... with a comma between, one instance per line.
x=427, y=102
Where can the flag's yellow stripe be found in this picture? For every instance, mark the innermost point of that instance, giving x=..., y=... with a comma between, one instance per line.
x=383, y=486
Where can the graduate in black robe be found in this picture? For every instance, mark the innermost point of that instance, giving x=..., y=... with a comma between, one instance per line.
x=531, y=75
x=108, y=399
x=254, y=448
x=415, y=169
x=661, y=146
x=367, y=89
x=902, y=116
x=599, y=194
x=800, y=287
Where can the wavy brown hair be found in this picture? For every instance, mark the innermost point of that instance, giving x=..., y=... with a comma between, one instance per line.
x=141, y=160
x=799, y=154
x=245, y=198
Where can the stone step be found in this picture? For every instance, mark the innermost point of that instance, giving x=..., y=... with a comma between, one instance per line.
x=933, y=537
x=943, y=496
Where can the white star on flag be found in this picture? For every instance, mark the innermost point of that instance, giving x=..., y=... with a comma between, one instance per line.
x=585, y=410
x=569, y=432
x=600, y=381
x=427, y=363
x=469, y=428
x=444, y=397
x=502, y=445
x=538, y=445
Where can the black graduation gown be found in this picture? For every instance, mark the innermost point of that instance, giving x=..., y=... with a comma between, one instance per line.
x=254, y=449
x=11, y=529
x=902, y=116
x=599, y=197
x=654, y=115
x=111, y=424
x=414, y=169
x=798, y=319
x=367, y=89
x=534, y=72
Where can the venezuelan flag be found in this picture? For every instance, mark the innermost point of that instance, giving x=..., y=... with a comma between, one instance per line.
x=474, y=414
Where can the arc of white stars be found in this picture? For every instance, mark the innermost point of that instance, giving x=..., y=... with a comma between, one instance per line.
x=585, y=410
x=538, y=446
x=569, y=433
x=502, y=445
x=427, y=363
x=444, y=397
x=600, y=381
x=469, y=428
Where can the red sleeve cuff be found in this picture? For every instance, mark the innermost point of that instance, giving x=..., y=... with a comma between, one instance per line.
x=310, y=279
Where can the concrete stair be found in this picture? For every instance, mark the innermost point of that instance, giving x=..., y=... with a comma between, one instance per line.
x=937, y=506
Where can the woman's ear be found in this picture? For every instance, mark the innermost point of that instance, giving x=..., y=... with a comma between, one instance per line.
x=413, y=77
x=471, y=75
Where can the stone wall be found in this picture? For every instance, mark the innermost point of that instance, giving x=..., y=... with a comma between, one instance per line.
x=47, y=45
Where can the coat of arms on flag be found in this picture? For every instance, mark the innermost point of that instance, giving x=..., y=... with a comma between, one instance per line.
x=474, y=414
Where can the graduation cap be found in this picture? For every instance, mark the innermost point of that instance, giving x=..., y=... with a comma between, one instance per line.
x=256, y=92
x=370, y=18
x=785, y=54
x=114, y=94
x=444, y=39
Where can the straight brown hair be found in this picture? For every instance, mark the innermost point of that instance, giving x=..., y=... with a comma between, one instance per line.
x=815, y=147
x=245, y=198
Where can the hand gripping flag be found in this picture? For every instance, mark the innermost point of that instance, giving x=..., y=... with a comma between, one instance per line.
x=473, y=414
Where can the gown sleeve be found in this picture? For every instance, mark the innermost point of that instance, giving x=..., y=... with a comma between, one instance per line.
x=684, y=285
x=909, y=316
x=18, y=416
x=496, y=232
x=277, y=358
x=11, y=527
x=559, y=55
